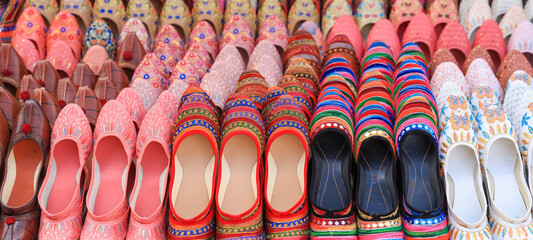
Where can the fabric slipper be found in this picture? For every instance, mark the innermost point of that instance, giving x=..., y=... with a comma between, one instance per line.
x=82, y=10
x=145, y=11
x=64, y=28
x=454, y=38
x=31, y=26
x=521, y=40
x=514, y=16
x=421, y=32
x=177, y=14
x=47, y=8
x=478, y=13
x=95, y=57
x=442, y=12
x=99, y=33
x=112, y=12
x=402, y=12
x=490, y=37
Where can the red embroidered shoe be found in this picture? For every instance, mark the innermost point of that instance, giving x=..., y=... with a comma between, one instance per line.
x=195, y=160
x=239, y=198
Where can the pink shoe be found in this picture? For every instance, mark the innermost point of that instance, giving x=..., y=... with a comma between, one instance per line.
x=149, y=197
x=107, y=207
x=151, y=70
x=133, y=102
x=148, y=93
x=71, y=145
x=64, y=28
x=170, y=102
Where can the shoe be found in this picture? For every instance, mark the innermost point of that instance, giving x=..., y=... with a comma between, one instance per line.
x=47, y=8
x=402, y=12
x=244, y=9
x=185, y=72
x=480, y=72
x=130, y=53
x=513, y=61
x=31, y=27
x=454, y=38
x=514, y=16
x=95, y=57
x=294, y=88
x=27, y=85
x=62, y=59
x=197, y=125
x=499, y=8
x=441, y=56
x=333, y=9
x=61, y=195
x=168, y=56
x=105, y=90
x=420, y=31
x=204, y=34
x=149, y=198
x=267, y=67
x=83, y=76
x=301, y=11
x=112, y=70
x=80, y=9
x=477, y=14
x=64, y=28
x=518, y=41
x=11, y=11
x=46, y=75
x=345, y=25
x=178, y=15
x=266, y=48
x=490, y=37
x=10, y=106
x=145, y=11
x=13, y=68
x=112, y=12
x=99, y=33
x=49, y=104
x=178, y=89
x=152, y=71
x=368, y=14
x=478, y=52
x=287, y=156
x=134, y=104
x=379, y=32
x=508, y=195
x=467, y=205
x=238, y=197
x=244, y=40
x=88, y=102
x=280, y=36
x=27, y=149
x=210, y=11
x=148, y=93
x=449, y=72
x=332, y=141
x=200, y=61
x=442, y=12
x=114, y=148
x=65, y=92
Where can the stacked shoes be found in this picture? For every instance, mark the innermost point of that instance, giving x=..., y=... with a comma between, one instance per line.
x=377, y=200
x=422, y=206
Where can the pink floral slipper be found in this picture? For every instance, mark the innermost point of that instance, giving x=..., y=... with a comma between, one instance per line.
x=136, y=26
x=31, y=26
x=64, y=28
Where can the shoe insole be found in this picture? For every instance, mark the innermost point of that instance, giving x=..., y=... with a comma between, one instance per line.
x=286, y=161
x=462, y=181
x=24, y=165
x=238, y=190
x=459, y=56
x=67, y=164
x=331, y=153
x=438, y=30
x=365, y=31
x=374, y=160
x=529, y=57
x=419, y=161
x=191, y=160
x=495, y=57
x=402, y=28
x=152, y=175
x=111, y=163
x=502, y=161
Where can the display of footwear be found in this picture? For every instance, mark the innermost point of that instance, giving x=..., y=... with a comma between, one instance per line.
x=107, y=199
x=62, y=191
x=25, y=159
x=239, y=194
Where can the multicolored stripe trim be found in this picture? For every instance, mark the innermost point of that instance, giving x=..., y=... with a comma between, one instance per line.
x=424, y=227
x=194, y=232
x=334, y=227
x=416, y=126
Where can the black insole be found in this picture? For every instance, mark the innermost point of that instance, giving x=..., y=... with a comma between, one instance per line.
x=376, y=192
x=331, y=178
x=420, y=168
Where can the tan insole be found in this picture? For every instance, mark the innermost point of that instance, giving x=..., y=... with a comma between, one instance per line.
x=287, y=152
x=193, y=155
x=240, y=155
x=24, y=162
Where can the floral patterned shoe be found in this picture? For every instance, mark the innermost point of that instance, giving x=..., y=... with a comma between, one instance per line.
x=107, y=204
x=153, y=71
x=480, y=72
x=210, y=11
x=64, y=28
x=64, y=181
x=243, y=9
x=99, y=33
x=274, y=30
x=196, y=127
x=239, y=190
x=467, y=206
x=478, y=13
x=287, y=128
x=133, y=102
x=442, y=12
x=31, y=26
x=47, y=8
x=514, y=16
x=510, y=216
x=135, y=25
x=149, y=196
x=171, y=37
x=177, y=14
x=402, y=12
x=82, y=10
x=112, y=12
x=145, y=11
x=301, y=11
x=524, y=129
x=205, y=35
x=238, y=33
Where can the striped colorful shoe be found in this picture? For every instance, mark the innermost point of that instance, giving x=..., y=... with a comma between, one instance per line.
x=253, y=85
x=192, y=210
x=332, y=141
x=239, y=196
x=287, y=158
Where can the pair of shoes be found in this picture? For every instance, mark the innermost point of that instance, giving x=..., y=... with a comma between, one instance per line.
x=423, y=206
x=377, y=200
